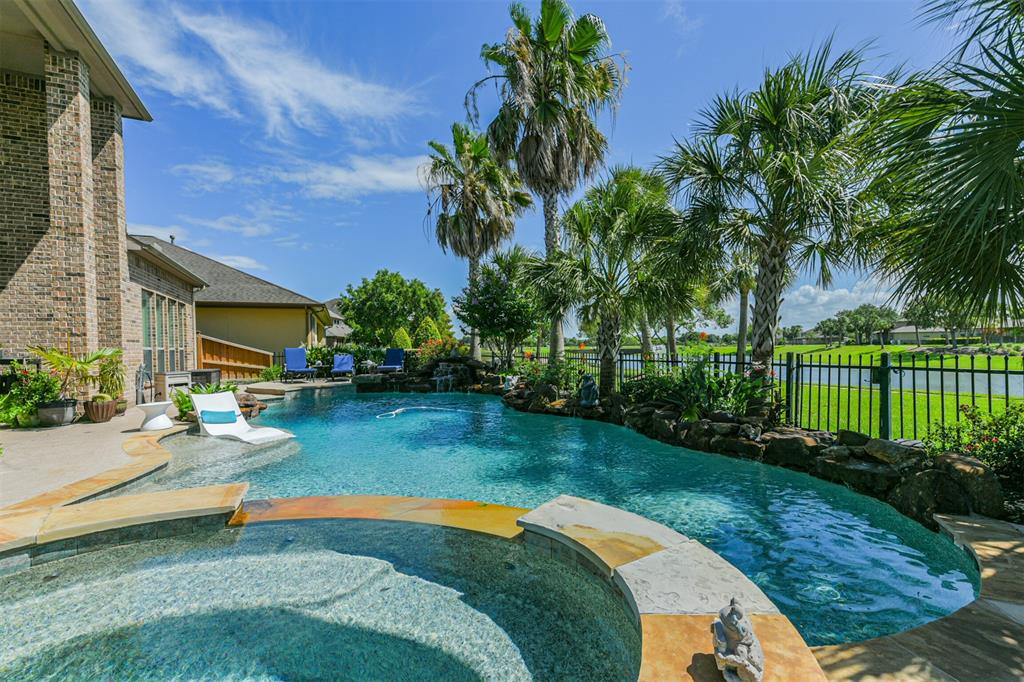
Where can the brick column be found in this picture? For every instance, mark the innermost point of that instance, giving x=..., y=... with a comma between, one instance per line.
x=71, y=201
x=109, y=222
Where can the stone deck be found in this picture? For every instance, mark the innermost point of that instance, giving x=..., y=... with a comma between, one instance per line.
x=982, y=641
x=282, y=388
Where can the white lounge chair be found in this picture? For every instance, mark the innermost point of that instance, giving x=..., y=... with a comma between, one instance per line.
x=237, y=430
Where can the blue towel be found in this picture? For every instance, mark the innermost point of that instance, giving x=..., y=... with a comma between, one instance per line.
x=218, y=416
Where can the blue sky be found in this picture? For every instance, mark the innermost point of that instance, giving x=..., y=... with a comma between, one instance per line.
x=287, y=135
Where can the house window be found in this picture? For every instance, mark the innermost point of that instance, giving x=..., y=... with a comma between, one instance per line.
x=163, y=333
x=147, y=331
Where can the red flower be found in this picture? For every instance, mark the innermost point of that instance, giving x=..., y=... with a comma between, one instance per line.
x=994, y=439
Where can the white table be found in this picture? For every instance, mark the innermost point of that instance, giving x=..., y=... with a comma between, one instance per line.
x=155, y=418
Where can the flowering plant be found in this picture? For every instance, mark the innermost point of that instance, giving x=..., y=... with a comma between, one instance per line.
x=996, y=439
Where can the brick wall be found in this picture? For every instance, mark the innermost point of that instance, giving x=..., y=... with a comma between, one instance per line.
x=145, y=275
x=26, y=244
x=69, y=147
x=109, y=220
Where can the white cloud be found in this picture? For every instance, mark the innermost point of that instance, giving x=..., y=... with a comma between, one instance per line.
x=240, y=262
x=807, y=305
x=291, y=87
x=150, y=43
x=204, y=176
x=245, y=226
x=217, y=60
x=358, y=176
x=685, y=25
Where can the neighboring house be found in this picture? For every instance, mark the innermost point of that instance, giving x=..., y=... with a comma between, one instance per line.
x=338, y=332
x=243, y=309
x=69, y=275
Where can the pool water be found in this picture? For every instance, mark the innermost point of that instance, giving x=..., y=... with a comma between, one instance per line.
x=323, y=600
x=842, y=566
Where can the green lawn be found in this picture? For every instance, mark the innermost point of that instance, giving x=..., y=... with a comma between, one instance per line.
x=866, y=355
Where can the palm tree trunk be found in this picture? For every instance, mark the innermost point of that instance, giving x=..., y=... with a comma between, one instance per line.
x=609, y=340
x=474, y=338
x=771, y=277
x=646, y=347
x=670, y=335
x=741, y=337
x=549, y=198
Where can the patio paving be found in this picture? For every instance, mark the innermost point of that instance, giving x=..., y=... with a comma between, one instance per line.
x=36, y=461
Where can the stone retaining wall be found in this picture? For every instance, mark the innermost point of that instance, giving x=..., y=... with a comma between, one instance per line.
x=897, y=472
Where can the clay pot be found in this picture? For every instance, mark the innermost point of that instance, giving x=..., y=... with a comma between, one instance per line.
x=99, y=412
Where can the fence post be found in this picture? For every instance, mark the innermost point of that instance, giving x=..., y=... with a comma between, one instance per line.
x=885, y=397
x=717, y=361
x=790, y=370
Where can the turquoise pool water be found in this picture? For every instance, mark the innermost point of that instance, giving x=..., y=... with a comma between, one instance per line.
x=842, y=566
x=324, y=600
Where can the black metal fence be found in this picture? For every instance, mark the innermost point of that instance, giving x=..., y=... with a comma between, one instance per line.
x=899, y=395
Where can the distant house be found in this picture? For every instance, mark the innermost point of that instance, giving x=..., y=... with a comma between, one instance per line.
x=338, y=332
x=246, y=310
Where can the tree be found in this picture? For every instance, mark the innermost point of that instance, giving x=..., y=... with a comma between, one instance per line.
x=921, y=312
x=501, y=303
x=427, y=331
x=885, y=320
x=776, y=169
x=475, y=200
x=608, y=268
x=555, y=77
x=832, y=328
x=792, y=333
x=949, y=145
x=401, y=339
x=377, y=308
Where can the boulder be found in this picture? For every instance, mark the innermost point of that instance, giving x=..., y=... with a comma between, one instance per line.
x=639, y=418
x=900, y=456
x=977, y=480
x=737, y=447
x=871, y=478
x=697, y=436
x=663, y=426
x=929, y=492
x=852, y=438
x=790, y=449
x=838, y=452
x=725, y=428
x=750, y=431
x=726, y=417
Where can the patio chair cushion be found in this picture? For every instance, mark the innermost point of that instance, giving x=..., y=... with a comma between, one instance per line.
x=218, y=416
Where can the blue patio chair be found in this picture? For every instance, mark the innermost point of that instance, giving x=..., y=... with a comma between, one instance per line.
x=394, y=361
x=295, y=364
x=343, y=364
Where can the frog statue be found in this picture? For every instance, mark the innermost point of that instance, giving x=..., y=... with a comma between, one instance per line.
x=738, y=652
x=588, y=391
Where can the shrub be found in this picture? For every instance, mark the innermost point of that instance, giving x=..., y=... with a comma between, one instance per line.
x=101, y=398
x=321, y=354
x=562, y=375
x=182, y=402
x=29, y=389
x=697, y=390
x=996, y=439
x=110, y=376
x=272, y=373
x=528, y=370
x=361, y=352
x=435, y=349
x=427, y=331
x=401, y=339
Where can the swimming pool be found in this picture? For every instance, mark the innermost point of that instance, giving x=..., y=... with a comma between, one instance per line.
x=315, y=600
x=842, y=566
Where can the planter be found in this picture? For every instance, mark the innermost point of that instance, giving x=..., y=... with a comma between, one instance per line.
x=57, y=413
x=100, y=412
x=122, y=406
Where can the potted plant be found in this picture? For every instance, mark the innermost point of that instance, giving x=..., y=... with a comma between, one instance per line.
x=110, y=379
x=101, y=408
x=28, y=389
x=74, y=374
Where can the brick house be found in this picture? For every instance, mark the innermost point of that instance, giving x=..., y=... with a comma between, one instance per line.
x=70, y=277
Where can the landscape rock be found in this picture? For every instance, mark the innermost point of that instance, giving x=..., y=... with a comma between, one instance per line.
x=792, y=450
x=698, y=435
x=978, y=481
x=726, y=417
x=852, y=438
x=928, y=492
x=838, y=452
x=737, y=447
x=663, y=426
x=902, y=457
x=725, y=428
x=872, y=478
x=750, y=431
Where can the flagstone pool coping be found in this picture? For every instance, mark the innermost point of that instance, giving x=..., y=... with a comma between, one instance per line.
x=982, y=640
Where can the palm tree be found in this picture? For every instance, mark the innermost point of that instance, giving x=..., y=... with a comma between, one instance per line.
x=607, y=269
x=475, y=200
x=738, y=279
x=555, y=77
x=775, y=169
x=950, y=146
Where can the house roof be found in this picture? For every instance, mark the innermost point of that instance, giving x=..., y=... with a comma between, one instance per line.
x=225, y=284
x=338, y=329
x=157, y=257
x=25, y=23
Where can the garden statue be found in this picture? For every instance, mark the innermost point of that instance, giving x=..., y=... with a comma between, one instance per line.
x=738, y=652
x=588, y=391
x=510, y=382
